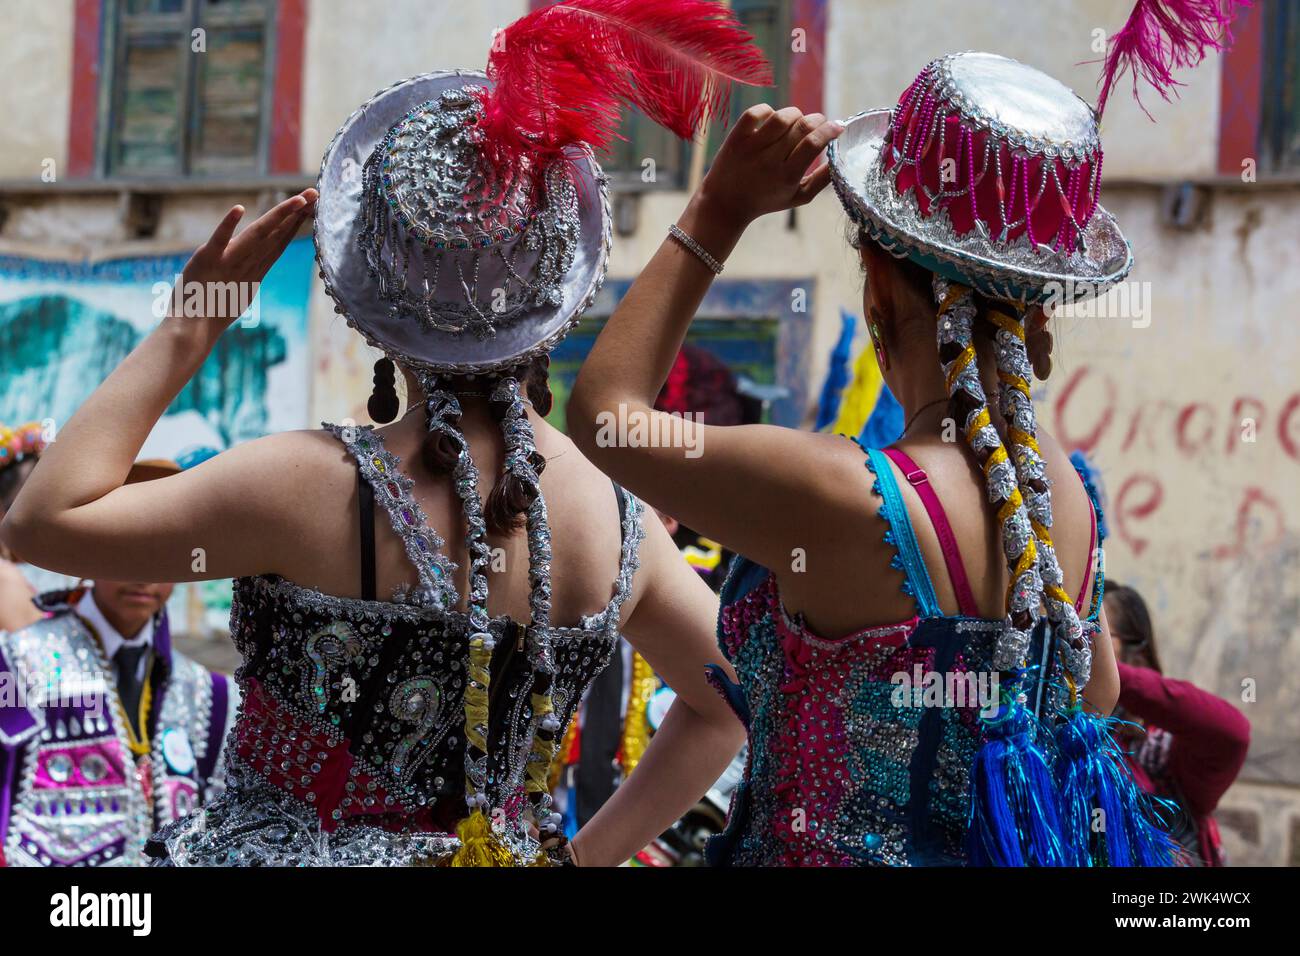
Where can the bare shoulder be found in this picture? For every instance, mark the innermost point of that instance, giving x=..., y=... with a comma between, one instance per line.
x=1068, y=493
x=279, y=459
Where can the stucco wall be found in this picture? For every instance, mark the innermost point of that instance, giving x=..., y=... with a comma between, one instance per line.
x=876, y=47
x=36, y=63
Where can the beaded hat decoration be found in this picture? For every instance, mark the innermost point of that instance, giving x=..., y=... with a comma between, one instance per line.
x=987, y=171
x=463, y=224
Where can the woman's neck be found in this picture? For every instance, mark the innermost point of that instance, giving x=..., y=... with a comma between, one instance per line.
x=917, y=381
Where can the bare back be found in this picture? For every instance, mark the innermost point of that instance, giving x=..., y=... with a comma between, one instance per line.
x=852, y=583
x=321, y=492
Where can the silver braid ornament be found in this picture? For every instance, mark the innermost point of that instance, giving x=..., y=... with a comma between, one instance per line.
x=955, y=328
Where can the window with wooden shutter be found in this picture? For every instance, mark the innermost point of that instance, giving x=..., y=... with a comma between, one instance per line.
x=1279, y=132
x=188, y=87
x=768, y=21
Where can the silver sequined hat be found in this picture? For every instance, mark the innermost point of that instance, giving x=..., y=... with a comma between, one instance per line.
x=986, y=172
x=437, y=258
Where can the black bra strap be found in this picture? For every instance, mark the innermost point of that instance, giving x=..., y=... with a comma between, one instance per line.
x=366, y=509
x=621, y=495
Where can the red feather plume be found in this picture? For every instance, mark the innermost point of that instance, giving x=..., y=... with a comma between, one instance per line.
x=562, y=74
x=1163, y=35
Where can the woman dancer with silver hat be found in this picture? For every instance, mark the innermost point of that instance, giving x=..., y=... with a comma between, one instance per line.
x=462, y=226
x=923, y=660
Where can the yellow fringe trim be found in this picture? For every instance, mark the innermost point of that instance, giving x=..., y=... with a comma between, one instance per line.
x=538, y=766
x=636, y=729
x=479, y=844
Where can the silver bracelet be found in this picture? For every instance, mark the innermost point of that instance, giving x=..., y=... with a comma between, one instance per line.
x=714, y=265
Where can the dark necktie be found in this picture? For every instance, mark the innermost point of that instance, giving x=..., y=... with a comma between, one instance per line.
x=129, y=684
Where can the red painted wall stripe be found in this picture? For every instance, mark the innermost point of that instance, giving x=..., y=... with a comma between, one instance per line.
x=286, y=99
x=1239, y=92
x=808, y=69
x=83, y=108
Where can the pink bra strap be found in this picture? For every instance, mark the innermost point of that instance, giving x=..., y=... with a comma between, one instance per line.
x=919, y=480
x=1092, y=550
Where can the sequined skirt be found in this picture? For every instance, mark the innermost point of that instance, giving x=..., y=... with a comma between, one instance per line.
x=252, y=824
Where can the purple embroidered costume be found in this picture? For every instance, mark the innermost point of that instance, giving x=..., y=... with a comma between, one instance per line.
x=860, y=748
x=71, y=791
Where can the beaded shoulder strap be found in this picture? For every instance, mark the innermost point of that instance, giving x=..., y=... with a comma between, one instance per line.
x=902, y=536
x=380, y=468
x=630, y=511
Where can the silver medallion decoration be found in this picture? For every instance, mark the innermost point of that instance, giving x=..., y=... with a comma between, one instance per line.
x=434, y=211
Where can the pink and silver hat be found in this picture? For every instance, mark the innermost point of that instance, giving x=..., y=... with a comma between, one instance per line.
x=988, y=172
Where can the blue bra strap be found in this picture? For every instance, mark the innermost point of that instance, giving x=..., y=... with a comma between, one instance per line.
x=909, y=559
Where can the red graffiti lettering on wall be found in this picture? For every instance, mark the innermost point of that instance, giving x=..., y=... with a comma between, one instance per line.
x=1137, y=499
x=1086, y=410
x=1101, y=415
x=1260, y=524
x=1087, y=414
x=1288, y=427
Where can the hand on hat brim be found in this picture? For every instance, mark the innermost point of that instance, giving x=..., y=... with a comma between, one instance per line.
x=247, y=257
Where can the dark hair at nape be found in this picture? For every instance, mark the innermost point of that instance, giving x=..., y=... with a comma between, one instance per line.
x=506, y=508
x=1135, y=621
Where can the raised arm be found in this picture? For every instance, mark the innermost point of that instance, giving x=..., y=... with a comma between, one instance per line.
x=763, y=166
x=672, y=626
x=76, y=515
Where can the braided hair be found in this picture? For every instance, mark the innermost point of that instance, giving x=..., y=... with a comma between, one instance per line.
x=1015, y=473
x=521, y=470
x=968, y=406
x=1017, y=410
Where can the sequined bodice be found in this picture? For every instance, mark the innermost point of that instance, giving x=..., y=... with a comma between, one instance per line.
x=860, y=748
x=853, y=759
x=349, y=745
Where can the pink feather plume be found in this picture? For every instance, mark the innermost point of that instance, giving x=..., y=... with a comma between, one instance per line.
x=562, y=74
x=1163, y=35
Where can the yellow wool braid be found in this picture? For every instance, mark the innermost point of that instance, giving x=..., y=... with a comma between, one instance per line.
x=636, y=727
x=1019, y=437
x=479, y=844
x=1012, y=355
x=538, y=764
x=955, y=329
x=479, y=678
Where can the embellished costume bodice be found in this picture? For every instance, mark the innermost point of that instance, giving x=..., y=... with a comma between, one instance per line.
x=349, y=747
x=860, y=748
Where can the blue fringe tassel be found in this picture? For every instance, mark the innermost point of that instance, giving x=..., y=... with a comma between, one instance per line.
x=1092, y=775
x=1014, y=819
